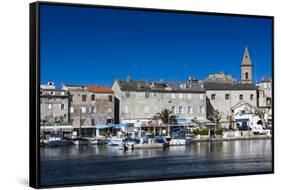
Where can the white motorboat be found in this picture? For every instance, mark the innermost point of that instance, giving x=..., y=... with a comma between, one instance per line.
x=176, y=141
x=98, y=141
x=116, y=140
x=58, y=141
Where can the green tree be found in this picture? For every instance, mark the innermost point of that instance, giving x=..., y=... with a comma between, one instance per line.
x=215, y=117
x=261, y=114
x=231, y=121
x=166, y=117
x=195, y=120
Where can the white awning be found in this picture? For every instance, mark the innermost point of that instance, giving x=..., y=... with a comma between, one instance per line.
x=64, y=128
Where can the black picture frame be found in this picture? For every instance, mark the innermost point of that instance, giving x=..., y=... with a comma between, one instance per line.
x=34, y=91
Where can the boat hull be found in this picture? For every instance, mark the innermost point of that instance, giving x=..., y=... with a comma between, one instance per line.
x=98, y=142
x=80, y=142
x=177, y=142
x=59, y=143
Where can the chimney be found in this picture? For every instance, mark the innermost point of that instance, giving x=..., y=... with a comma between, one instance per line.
x=138, y=85
x=189, y=79
x=129, y=79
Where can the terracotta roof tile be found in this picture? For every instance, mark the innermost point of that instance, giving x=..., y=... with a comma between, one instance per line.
x=99, y=89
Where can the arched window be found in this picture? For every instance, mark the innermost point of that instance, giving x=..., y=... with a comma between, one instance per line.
x=246, y=75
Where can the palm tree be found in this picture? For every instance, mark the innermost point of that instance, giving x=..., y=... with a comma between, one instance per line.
x=165, y=116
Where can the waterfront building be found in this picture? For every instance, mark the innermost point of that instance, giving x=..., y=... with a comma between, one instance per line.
x=54, y=105
x=90, y=107
x=224, y=92
x=265, y=98
x=54, y=111
x=241, y=113
x=223, y=96
x=220, y=77
x=265, y=89
x=137, y=101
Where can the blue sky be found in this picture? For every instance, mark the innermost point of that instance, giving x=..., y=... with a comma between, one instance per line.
x=80, y=45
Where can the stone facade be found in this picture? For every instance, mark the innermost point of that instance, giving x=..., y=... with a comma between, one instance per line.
x=136, y=101
x=221, y=77
x=54, y=106
x=223, y=92
x=265, y=88
x=90, y=107
x=139, y=101
x=224, y=99
x=246, y=68
x=265, y=98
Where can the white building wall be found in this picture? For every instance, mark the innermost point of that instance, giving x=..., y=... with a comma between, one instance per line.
x=224, y=106
x=138, y=107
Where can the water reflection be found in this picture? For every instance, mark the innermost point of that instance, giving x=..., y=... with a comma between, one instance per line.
x=70, y=164
x=233, y=149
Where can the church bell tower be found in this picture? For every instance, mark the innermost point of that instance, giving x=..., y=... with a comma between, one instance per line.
x=246, y=68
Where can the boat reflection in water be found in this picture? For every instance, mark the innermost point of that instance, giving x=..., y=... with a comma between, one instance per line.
x=58, y=141
x=91, y=163
x=80, y=141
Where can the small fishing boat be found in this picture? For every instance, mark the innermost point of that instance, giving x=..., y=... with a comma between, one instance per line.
x=180, y=141
x=116, y=140
x=98, y=141
x=58, y=141
x=131, y=141
x=177, y=141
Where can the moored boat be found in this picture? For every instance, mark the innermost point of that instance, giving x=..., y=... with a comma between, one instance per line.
x=180, y=141
x=177, y=141
x=98, y=141
x=115, y=142
x=58, y=141
x=80, y=141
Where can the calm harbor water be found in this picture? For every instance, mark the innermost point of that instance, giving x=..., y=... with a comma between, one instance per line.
x=88, y=164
